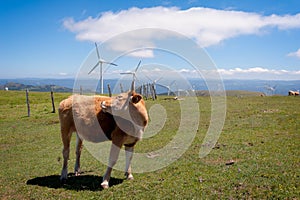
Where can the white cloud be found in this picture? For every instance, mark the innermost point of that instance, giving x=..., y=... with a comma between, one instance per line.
x=255, y=70
x=63, y=74
x=168, y=75
x=235, y=73
x=146, y=53
x=184, y=71
x=205, y=25
x=297, y=72
x=259, y=73
x=157, y=70
x=295, y=54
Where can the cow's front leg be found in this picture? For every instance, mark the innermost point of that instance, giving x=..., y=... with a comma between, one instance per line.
x=113, y=157
x=129, y=154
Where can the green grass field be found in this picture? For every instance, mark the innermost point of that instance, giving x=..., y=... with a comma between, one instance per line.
x=261, y=135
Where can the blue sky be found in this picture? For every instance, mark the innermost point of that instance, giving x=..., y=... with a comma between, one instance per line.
x=245, y=39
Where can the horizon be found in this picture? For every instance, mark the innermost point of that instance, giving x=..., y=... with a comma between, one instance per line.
x=273, y=87
x=191, y=78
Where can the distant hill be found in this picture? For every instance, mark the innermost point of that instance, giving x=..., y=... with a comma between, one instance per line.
x=37, y=88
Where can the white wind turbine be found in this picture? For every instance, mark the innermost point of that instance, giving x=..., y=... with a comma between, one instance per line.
x=100, y=62
x=271, y=90
x=154, y=81
x=168, y=86
x=133, y=75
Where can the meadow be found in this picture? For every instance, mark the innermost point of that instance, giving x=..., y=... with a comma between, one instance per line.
x=256, y=156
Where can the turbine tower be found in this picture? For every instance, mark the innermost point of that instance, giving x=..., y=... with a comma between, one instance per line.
x=100, y=62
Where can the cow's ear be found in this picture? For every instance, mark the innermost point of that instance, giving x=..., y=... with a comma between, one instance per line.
x=136, y=98
x=103, y=105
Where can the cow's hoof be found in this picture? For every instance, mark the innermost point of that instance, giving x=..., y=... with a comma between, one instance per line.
x=128, y=176
x=63, y=180
x=77, y=173
x=104, y=185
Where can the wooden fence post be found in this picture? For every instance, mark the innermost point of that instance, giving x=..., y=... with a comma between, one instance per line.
x=121, y=88
x=80, y=90
x=153, y=92
x=142, y=90
x=139, y=89
x=154, y=89
x=52, y=99
x=145, y=91
x=109, y=91
x=27, y=102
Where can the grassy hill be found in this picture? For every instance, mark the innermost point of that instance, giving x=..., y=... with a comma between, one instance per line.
x=38, y=88
x=256, y=157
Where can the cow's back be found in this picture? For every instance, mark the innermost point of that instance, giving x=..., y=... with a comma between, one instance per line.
x=84, y=114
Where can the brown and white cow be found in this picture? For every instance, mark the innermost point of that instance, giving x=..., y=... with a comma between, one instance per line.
x=293, y=93
x=121, y=119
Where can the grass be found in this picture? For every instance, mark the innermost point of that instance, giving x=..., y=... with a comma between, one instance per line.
x=261, y=135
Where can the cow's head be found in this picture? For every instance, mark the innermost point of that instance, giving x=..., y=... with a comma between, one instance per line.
x=129, y=106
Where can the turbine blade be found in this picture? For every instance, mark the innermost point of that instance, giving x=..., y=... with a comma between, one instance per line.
x=149, y=78
x=158, y=79
x=109, y=63
x=97, y=51
x=138, y=66
x=161, y=85
x=113, y=64
x=172, y=83
x=94, y=67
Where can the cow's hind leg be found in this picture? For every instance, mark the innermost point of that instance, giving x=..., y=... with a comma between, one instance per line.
x=78, y=153
x=66, y=138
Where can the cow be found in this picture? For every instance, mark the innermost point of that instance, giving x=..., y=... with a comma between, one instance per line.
x=121, y=119
x=294, y=93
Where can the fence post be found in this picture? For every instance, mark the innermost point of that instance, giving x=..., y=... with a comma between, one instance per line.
x=109, y=91
x=80, y=90
x=153, y=92
x=27, y=102
x=121, y=88
x=142, y=90
x=139, y=89
x=52, y=99
x=145, y=91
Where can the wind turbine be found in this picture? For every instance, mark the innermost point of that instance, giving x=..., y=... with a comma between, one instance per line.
x=133, y=75
x=154, y=81
x=100, y=62
x=168, y=86
x=271, y=89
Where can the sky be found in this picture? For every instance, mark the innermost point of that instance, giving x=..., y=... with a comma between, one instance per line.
x=245, y=39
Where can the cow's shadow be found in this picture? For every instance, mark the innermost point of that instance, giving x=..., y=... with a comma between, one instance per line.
x=77, y=183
